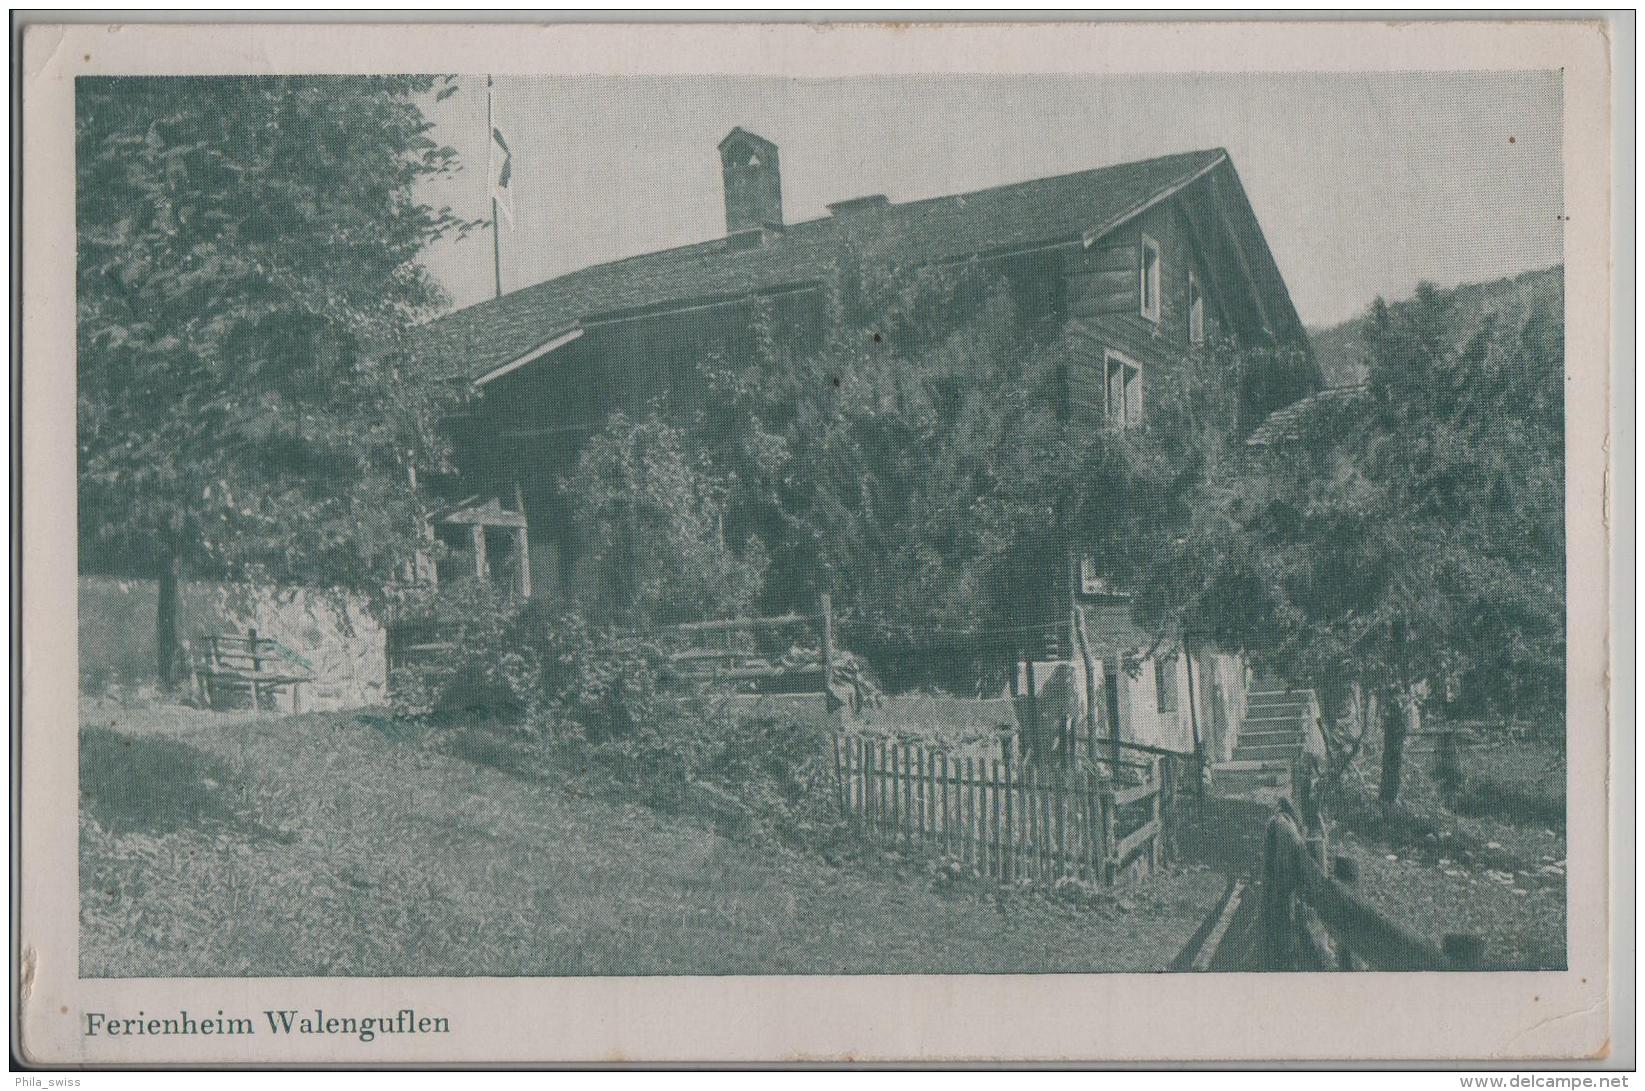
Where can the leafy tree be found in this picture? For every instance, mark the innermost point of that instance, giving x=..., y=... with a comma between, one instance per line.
x=873, y=464
x=1408, y=543
x=248, y=264
x=920, y=463
x=656, y=549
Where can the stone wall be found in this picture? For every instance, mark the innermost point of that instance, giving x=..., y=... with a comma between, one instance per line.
x=332, y=629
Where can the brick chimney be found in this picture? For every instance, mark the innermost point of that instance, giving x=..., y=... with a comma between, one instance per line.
x=753, y=183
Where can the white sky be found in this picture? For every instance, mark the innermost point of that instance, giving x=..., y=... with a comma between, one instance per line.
x=1364, y=184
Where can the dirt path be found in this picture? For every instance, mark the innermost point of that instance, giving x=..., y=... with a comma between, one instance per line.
x=1226, y=836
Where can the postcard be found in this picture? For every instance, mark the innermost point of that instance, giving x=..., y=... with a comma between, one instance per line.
x=785, y=543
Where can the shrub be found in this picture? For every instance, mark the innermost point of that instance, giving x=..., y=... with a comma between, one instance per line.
x=674, y=745
x=558, y=686
x=656, y=547
x=484, y=673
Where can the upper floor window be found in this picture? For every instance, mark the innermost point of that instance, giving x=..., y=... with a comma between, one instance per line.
x=1124, y=383
x=1148, y=279
x=1196, y=311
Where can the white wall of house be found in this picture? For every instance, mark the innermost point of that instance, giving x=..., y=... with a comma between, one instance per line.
x=1214, y=704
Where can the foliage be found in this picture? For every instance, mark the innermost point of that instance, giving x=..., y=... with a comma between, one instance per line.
x=656, y=549
x=597, y=681
x=485, y=672
x=247, y=267
x=919, y=464
x=1411, y=541
x=678, y=746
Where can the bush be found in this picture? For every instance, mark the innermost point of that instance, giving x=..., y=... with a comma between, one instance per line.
x=656, y=547
x=558, y=686
x=484, y=673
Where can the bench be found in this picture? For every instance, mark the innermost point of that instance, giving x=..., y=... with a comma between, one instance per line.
x=229, y=670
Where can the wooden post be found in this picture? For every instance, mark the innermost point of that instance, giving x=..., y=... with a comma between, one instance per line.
x=522, y=544
x=1048, y=842
x=1033, y=821
x=1065, y=824
x=1032, y=735
x=522, y=580
x=933, y=799
x=1010, y=872
x=896, y=794
x=839, y=779
x=1088, y=661
x=923, y=789
x=477, y=535
x=1193, y=720
x=256, y=669
x=1105, y=799
x=994, y=839
x=1115, y=700
x=1093, y=826
x=974, y=772
x=1155, y=842
x=827, y=605
x=910, y=818
x=871, y=764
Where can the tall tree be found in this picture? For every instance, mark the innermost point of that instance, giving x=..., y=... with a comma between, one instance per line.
x=1408, y=540
x=248, y=264
x=921, y=465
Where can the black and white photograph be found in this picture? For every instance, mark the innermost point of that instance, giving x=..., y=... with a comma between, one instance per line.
x=723, y=525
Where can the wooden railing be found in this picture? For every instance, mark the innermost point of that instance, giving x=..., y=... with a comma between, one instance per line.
x=795, y=652
x=1011, y=821
x=1312, y=920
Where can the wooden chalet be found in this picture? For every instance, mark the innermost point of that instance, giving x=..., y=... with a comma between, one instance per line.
x=1140, y=260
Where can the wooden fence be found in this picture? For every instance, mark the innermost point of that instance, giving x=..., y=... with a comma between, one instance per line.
x=1314, y=921
x=788, y=653
x=1011, y=821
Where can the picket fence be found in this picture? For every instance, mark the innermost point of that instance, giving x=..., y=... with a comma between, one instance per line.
x=1014, y=821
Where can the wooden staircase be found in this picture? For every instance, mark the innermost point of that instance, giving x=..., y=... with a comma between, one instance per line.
x=1274, y=732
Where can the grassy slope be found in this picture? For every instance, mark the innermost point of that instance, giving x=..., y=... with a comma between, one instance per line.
x=1497, y=871
x=218, y=845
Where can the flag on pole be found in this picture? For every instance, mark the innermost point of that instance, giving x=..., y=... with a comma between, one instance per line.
x=500, y=159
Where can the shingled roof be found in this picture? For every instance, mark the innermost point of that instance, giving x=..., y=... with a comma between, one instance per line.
x=1287, y=424
x=471, y=342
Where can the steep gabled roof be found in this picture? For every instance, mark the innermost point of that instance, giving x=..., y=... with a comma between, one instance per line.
x=482, y=338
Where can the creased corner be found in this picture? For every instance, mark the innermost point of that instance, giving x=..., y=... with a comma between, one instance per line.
x=41, y=46
x=31, y=962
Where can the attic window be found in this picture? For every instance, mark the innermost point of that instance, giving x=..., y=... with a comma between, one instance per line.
x=1148, y=279
x=1124, y=385
x=1196, y=311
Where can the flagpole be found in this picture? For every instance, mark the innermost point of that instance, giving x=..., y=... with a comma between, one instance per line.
x=496, y=250
x=496, y=228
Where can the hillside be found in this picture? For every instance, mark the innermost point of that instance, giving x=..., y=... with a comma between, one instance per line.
x=1340, y=349
x=335, y=844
